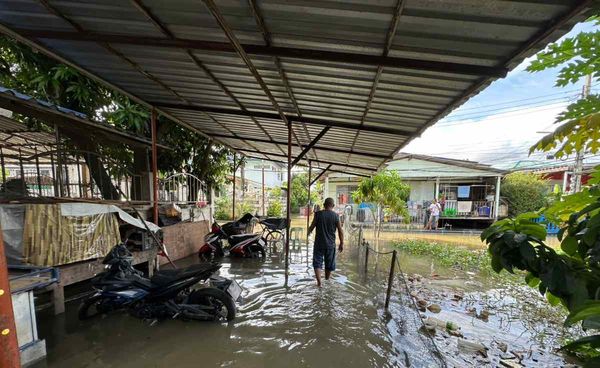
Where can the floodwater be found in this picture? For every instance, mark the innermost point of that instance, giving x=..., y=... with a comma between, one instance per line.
x=279, y=324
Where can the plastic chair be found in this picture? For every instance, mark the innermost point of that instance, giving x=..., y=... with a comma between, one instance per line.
x=296, y=236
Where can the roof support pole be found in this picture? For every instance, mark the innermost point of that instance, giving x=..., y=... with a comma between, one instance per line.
x=4, y=170
x=233, y=200
x=310, y=145
x=154, y=167
x=288, y=199
x=308, y=207
x=497, y=198
x=319, y=176
x=58, y=162
x=262, y=167
x=9, y=347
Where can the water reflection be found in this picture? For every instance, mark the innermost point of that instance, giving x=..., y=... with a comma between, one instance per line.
x=279, y=324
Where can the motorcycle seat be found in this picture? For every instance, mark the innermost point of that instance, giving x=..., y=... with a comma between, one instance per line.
x=165, y=277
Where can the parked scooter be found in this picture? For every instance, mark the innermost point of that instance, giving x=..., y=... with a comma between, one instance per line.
x=167, y=294
x=240, y=245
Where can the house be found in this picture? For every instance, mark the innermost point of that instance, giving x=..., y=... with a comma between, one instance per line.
x=561, y=176
x=469, y=191
x=274, y=172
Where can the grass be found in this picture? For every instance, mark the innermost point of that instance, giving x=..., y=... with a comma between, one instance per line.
x=452, y=256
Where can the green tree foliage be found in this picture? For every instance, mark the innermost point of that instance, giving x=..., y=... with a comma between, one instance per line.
x=275, y=208
x=579, y=125
x=569, y=276
x=386, y=190
x=525, y=192
x=300, y=192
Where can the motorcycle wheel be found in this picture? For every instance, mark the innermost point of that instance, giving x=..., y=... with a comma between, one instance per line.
x=256, y=251
x=224, y=306
x=92, y=307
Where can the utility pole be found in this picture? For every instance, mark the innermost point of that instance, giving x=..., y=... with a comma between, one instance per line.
x=578, y=167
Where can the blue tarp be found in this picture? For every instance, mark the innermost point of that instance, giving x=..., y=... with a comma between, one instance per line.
x=464, y=191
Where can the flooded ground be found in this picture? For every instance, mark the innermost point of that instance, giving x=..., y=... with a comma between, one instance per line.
x=279, y=324
x=294, y=324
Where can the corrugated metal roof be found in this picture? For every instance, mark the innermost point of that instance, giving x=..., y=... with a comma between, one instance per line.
x=380, y=71
x=65, y=118
x=449, y=161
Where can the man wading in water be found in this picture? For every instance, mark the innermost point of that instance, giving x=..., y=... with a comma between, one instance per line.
x=326, y=222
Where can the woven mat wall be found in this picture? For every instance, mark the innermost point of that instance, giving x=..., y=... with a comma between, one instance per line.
x=50, y=239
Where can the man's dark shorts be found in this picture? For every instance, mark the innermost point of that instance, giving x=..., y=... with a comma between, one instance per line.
x=326, y=254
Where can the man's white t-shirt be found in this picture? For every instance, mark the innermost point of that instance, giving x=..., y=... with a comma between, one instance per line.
x=434, y=209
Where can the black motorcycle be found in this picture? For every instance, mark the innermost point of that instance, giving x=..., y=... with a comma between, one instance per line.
x=167, y=294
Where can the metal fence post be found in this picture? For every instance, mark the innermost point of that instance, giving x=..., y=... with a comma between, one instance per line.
x=360, y=234
x=366, y=257
x=390, y=280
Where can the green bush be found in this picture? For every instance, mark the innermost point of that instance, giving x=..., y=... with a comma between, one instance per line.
x=223, y=208
x=524, y=192
x=275, y=208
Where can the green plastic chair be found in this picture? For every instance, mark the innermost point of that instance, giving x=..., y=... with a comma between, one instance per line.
x=296, y=236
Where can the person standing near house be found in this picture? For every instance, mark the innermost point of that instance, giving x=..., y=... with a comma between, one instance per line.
x=434, y=210
x=326, y=222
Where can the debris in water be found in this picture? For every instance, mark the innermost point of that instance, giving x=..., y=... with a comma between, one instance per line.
x=510, y=364
x=434, y=308
x=471, y=345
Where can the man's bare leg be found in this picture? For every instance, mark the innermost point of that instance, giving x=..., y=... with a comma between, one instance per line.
x=318, y=276
x=327, y=274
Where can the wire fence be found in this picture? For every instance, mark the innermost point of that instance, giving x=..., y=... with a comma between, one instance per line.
x=405, y=307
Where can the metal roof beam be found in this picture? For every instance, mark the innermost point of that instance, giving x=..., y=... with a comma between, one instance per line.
x=310, y=145
x=298, y=119
x=239, y=49
x=320, y=174
x=289, y=52
x=538, y=37
x=167, y=32
x=260, y=22
x=389, y=39
x=327, y=162
x=328, y=149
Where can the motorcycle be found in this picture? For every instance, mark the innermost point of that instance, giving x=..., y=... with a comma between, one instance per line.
x=240, y=245
x=189, y=293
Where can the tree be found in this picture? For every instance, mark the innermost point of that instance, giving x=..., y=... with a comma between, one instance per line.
x=579, y=125
x=525, y=192
x=299, y=196
x=387, y=191
x=571, y=276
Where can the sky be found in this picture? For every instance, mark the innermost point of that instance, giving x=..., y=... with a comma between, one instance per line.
x=499, y=125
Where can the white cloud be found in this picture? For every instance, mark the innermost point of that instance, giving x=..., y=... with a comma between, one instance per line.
x=500, y=139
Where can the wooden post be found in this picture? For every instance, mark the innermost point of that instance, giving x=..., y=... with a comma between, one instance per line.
x=264, y=212
x=288, y=197
x=233, y=200
x=54, y=181
x=22, y=173
x=390, y=280
x=37, y=170
x=154, y=167
x=9, y=347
